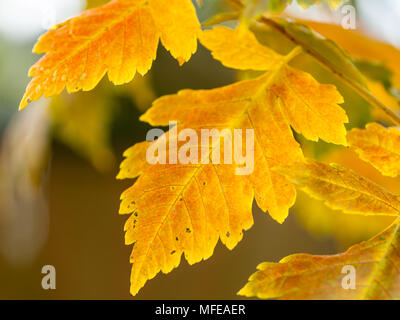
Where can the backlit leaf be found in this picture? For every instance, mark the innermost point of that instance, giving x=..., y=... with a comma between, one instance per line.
x=348, y=229
x=342, y=188
x=379, y=146
x=120, y=38
x=239, y=49
x=301, y=95
x=305, y=276
x=186, y=208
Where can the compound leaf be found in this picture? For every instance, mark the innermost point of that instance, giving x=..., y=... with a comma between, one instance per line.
x=341, y=188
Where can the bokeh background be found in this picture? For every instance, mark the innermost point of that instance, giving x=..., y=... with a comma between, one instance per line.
x=58, y=160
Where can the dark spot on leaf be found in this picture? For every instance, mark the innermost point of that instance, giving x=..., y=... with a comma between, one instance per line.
x=188, y=230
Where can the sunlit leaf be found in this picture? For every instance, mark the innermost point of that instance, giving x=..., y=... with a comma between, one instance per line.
x=120, y=38
x=185, y=208
x=347, y=229
x=379, y=146
x=304, y=276
x=341, y=188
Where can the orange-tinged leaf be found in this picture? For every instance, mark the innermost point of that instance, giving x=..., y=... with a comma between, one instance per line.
x=120, y=38
x=239, y=49
x=183, y=210
x=186, y=208
x=244, y=105
x=361, y=46
x=178, y=25
x=348, y=229
x=305, y=276
x=341, y=188
x=301, y=95
x=379, y=146
x=311, y=108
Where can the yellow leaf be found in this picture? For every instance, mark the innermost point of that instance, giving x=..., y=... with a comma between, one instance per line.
x=348, y=229
x=185, y=208
x=120, y=38
x=197, y=204
x=331, y=56
x=379, y=146
x=305, y=276
x=239, y=49
x=301, y=95
x=341, y=188
x=244, y=105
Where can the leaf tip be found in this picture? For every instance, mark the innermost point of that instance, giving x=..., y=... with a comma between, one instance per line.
x=181, y=61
